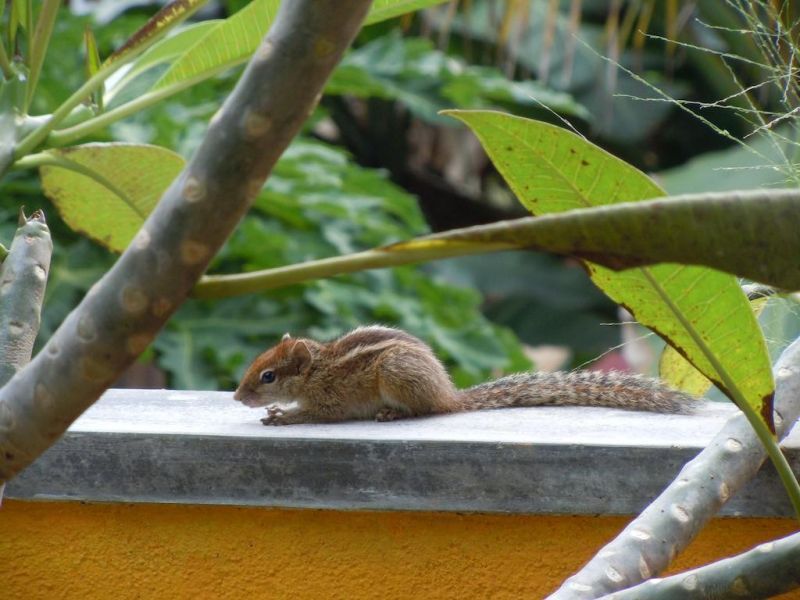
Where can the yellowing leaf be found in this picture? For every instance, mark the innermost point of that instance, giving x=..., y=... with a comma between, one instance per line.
x=164, y=51
x=92, y=63
x=106, y=191
x=679, y=372
x=157, y=25
x=701, y=312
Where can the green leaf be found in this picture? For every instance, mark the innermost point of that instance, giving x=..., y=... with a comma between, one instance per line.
x=233, y=41
x=163, y=52
x=387, y=9
x=357, y=208
x=92, y=64
x=41, y=39
x=227, y=44
x=699, y=229
x=106, y=191
x=92, y=55
x=679, y=372
x=16, y=17
x=702, y=313
x=158, y=25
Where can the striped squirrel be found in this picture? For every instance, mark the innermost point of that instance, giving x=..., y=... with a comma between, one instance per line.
x=386, y=374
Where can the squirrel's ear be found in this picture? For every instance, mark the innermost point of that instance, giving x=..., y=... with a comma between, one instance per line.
x=286, y=336
x=301, y=355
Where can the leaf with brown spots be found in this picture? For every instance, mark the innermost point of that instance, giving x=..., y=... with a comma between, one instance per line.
x=700, y=312
x=157, y=25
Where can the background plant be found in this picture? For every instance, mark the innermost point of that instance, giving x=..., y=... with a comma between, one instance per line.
x=401, y=81
x=664, y=297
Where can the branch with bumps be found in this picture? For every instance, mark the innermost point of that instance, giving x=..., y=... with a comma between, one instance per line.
x=650, y=542
x=23, y=277
x=123, y=312
x=765, y=571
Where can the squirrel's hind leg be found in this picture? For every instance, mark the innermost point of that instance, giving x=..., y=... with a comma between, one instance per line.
x=412, y=385
x=390, y=414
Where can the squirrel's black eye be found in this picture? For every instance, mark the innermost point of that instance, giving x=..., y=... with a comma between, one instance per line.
x=267, y=376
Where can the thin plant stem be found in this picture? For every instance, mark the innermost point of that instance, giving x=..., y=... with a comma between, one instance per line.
x=41, y=39
x=5, y=64
x=68, y=135
x=39, y=135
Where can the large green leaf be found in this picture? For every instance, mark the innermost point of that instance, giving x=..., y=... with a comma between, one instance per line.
x=233, y=41
x=700, y=229
x=229, y=43
x=702, y=313
x=107, y=190
x=157, y=26
x=163, y=52
x=678, y=372
x=387, y=9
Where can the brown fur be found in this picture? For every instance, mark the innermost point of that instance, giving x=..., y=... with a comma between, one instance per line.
x=381, y=373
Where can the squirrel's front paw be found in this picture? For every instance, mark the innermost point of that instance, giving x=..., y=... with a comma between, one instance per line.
x=388, y=414
x=275, y=416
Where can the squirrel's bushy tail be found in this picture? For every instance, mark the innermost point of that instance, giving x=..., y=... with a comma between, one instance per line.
x=577, y=388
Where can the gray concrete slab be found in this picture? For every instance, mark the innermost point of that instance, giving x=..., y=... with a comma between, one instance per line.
x=202, y=447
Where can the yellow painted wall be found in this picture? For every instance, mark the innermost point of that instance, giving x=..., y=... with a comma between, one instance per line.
x=73, y=550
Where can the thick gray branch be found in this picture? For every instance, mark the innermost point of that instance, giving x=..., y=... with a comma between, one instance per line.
x=763, y=572
x=23, y=277
x=648, y=544
x=123, y=312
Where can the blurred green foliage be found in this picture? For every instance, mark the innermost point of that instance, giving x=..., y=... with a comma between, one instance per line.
x=426, y=80
x=318, y=203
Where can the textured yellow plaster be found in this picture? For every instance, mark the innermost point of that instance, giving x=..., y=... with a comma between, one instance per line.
x=73, y=550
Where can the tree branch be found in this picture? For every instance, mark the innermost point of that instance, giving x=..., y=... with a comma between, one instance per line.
x=763, y=572
x=648, y=544
x=22, y=283
x=122, y=313
x=23, y=276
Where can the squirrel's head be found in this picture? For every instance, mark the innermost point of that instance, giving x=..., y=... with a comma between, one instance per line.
x=277, y=374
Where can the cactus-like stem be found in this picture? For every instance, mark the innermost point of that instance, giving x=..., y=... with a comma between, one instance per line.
x=765, y=571
x=23, y=276
x=648, y=544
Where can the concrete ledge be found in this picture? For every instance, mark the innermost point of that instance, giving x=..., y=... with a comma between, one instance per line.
x=202, y=447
